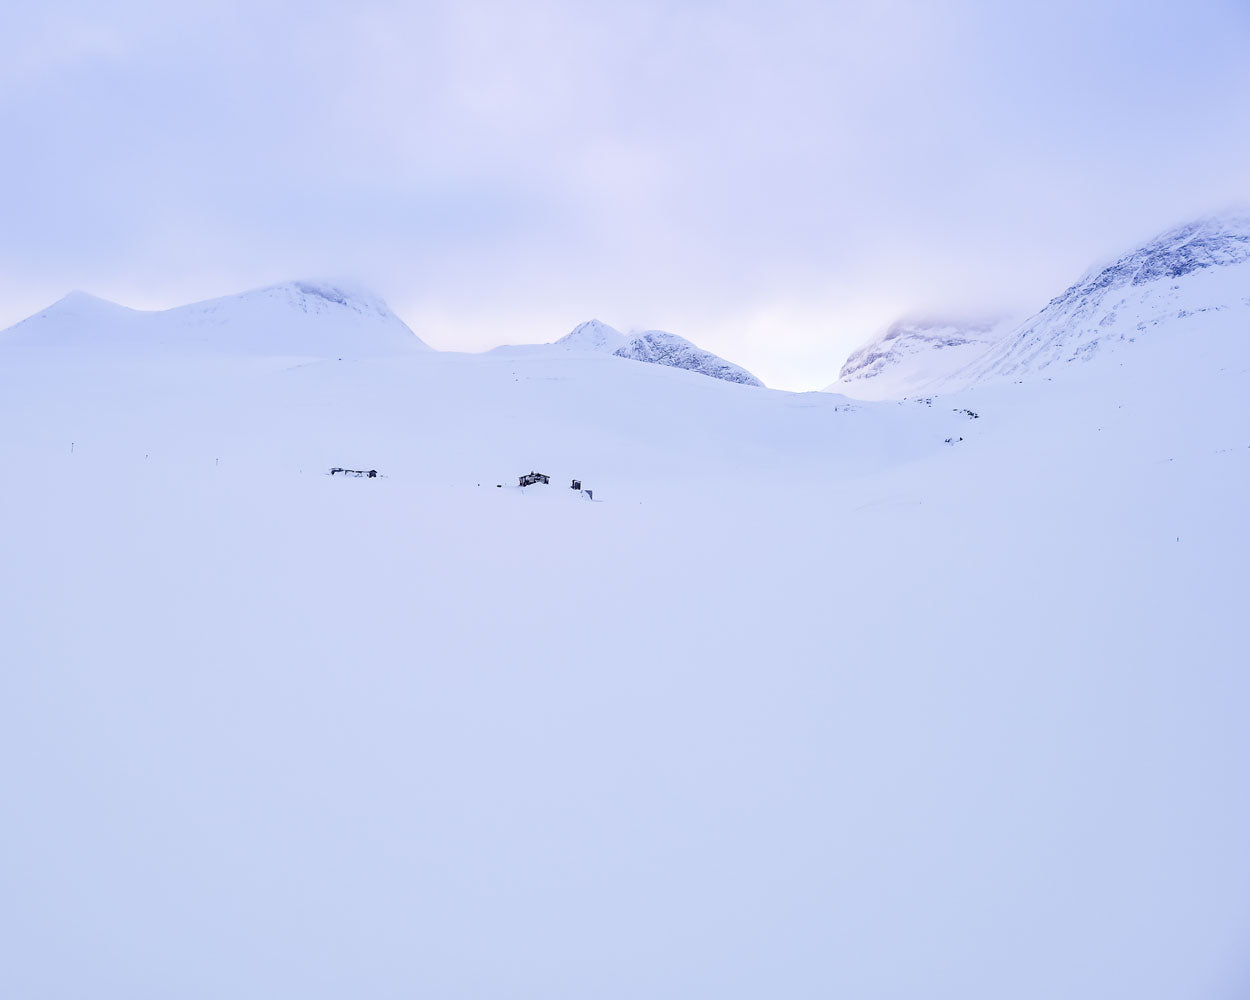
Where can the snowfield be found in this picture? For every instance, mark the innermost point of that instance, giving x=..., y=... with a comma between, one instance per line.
x=816, y=698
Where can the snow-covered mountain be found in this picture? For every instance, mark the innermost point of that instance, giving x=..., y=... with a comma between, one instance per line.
x=1156, y=289
x=911, y=355
x=659, y=348
x=77, y=320
x=809, y=686
x=1159, y=287
x=653, y=346
x=298, y=319
x=593, y=336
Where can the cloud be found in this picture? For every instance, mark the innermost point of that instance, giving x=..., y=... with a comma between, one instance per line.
x=764, y=179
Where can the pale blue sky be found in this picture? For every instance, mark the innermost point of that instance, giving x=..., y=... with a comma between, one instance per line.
x=774, y=181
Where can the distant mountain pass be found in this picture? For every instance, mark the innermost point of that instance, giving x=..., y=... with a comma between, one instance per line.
x=912, y=356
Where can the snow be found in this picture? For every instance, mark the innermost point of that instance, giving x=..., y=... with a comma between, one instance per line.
x=1196, y=268
x=660, y=348
x=591, y=337
x=913, y=356
x=813, y=703
x=296, y=320
x=652, y=346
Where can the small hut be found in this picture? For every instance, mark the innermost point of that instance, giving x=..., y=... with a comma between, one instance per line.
x=530, y=478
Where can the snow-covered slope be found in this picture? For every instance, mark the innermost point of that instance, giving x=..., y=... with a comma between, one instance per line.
x=911, y=356
x=659, y=348
x=298, y=320
x=78, y=320
x=653, y=346
x=816, y=698
x=1155, y=290
x=591, y=337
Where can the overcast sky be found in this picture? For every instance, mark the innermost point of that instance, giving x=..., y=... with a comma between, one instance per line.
x=774, y=180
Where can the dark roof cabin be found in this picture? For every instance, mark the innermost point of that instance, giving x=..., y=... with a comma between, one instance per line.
x=530, y=478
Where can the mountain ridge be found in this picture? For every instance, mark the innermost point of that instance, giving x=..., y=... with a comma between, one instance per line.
x=295, y=318
x=658, y=347
x=650, y=347
x=1196, y=267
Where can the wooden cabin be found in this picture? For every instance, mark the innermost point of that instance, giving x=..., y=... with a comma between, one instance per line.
x=530, y=478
